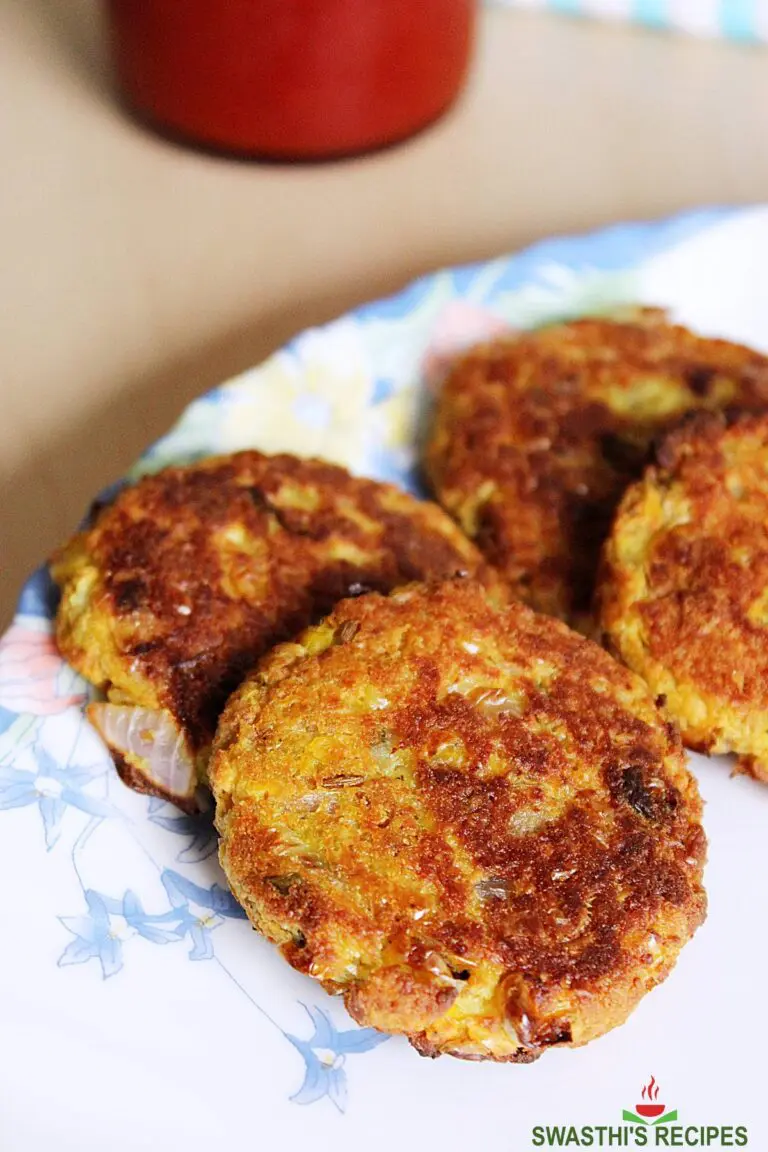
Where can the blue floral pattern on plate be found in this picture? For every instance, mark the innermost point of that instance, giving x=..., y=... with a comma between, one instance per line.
x=325, y=1054
x=53, y=789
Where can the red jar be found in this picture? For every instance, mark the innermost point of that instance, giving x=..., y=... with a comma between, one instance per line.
x=291, y=79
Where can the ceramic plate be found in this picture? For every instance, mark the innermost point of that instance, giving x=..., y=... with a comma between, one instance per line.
x=137, y=1007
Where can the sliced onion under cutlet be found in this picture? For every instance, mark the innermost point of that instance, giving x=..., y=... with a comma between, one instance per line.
x=149, y=751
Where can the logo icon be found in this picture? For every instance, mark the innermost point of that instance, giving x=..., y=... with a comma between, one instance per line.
x=650, y=1111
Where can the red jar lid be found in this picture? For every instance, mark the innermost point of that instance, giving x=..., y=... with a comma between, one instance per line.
x=291, y=78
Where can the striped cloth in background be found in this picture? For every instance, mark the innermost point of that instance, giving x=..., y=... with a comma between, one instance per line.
x=737, y=19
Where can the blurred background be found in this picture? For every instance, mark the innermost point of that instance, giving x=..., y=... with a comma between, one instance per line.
x=136, y=273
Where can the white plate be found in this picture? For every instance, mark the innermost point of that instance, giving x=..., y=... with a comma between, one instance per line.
x=137, y=1007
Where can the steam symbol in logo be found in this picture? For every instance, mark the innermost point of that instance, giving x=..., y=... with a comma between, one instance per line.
x=650, y=1111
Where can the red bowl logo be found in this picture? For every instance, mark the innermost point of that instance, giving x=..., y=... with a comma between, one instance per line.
x=649, y=1111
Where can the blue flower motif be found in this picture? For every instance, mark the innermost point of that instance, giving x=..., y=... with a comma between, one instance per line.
x=216, y=898
x=214, y=903
x=325, y=1054
x=94, y=935
x=157, y=928
x=54, y=789
x=199, y=829
x=110, y=921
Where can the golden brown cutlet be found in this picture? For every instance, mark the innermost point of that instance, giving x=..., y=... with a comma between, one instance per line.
x=193, y=573
x=683, y=589
x=466, y=819
x=535, y=439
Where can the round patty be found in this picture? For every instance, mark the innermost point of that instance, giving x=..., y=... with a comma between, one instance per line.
x=467, y=819
x=193, y=573
x=683, y=591
x=536, y=438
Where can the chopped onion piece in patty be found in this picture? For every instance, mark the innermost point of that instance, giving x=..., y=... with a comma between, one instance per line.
x=150, y=751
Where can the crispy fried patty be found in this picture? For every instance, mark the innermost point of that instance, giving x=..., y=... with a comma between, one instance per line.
x=535, y=439
x=193, y=573
x=467, y=819
x=683, y=591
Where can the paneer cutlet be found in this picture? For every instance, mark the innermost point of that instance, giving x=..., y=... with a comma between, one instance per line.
x=683, y=590
x=190, y=575
x=466, y=819
x=536, y=438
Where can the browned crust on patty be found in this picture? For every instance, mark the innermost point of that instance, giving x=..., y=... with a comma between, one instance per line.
x=683, y=590
x=371, y=775
x=536, y=438
x=193, y=573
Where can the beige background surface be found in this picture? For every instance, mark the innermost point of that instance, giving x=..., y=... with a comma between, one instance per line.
x=133, y=274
